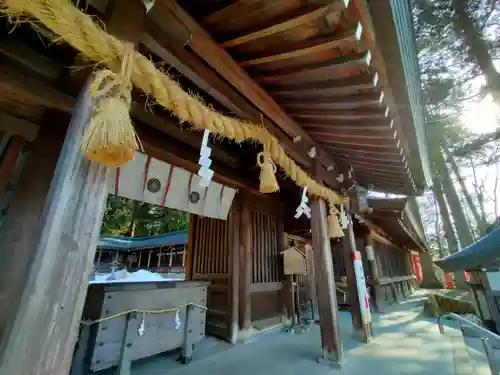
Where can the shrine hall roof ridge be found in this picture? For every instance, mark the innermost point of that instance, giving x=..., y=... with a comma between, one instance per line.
x=144, y=242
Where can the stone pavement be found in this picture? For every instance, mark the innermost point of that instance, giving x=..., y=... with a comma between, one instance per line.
x=405, y=343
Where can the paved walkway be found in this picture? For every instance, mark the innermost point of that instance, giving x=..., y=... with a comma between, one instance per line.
x=405, y=343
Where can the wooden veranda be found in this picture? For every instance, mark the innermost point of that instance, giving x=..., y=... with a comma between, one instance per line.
x=335, y=82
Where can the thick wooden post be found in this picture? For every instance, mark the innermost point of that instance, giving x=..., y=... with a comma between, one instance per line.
x=234, y=261
x=56, y=249
x=245, y=262
x=331, y=344
x=374, y=274
x=9, y=160
x=349, y=252
x=45, y=326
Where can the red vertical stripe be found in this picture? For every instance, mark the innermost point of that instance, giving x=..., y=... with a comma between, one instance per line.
x=146, y=173
x=169, y=183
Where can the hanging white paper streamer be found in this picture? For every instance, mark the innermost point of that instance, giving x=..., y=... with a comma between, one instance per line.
x=177, y=320
x=142, y=327
x=303, y=207
x=205, y=162
x=344, y=221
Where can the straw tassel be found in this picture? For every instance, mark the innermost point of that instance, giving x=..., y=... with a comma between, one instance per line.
x=110, y=139
x=268, y=182
x=334, y=229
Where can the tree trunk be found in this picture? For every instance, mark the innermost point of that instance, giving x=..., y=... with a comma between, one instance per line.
x=473, y=208
x=463, y=230
x=432, y=275
x=477, y=47
x=479, y=189
x=132, y=226
x=451, y=240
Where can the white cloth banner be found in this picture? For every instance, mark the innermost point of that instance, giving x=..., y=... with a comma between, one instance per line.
x=362, y=290
x=153, y=181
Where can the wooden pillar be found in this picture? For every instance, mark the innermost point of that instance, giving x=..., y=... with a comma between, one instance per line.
x=23, y=220
x=374, y=273
x=52, y=250
x=170, y=256
x=349, y=252
x=149, y=259
x=331, y=344
x=234, y=261
x=245, y=263
x=9, y=160
x=46, y=322
x=139, y=260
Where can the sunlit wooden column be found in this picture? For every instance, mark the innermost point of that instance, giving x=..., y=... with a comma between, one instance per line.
x=374, y=274
x=331, y=344
x=51, y=243
x=245, y=266
x=361, y=328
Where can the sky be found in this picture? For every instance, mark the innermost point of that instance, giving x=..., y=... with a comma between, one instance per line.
x=481, y=117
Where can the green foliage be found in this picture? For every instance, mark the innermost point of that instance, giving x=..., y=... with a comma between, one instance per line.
x=126, y=217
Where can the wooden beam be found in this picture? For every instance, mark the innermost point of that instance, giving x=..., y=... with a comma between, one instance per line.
x=353, y=141
x=17, y=51
x=188, y=64
x=344, y=115
x=16, y=126
x=292, y=22
x=31, y=91
x=187, y=158
x=368, y=96
x=304, y=48
x=190, y=137
x=353, y=155
x=332, y=105
x=202, y=44
x=377, y=133
x=333, y=69
x=9, y=159
x=352, y=148
x=327, y=88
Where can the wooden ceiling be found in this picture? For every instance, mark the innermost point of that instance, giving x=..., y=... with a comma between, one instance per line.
x=309, y=70
x=318, y=61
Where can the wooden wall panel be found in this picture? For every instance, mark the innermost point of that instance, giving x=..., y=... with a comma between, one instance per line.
x=213, y=244
x=266, y=259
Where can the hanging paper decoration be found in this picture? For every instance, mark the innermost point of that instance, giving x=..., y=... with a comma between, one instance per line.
x=177, y=320
x=303, y=207
x=205, y=172
x=153, y=181
x=344, y=220
x=142, y=327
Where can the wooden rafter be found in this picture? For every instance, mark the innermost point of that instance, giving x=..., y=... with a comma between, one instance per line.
x=203, y=45
x=341, y=69
x=291, y=22
x=306, y=47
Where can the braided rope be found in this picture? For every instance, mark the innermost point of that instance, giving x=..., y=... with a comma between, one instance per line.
x=82, y=33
